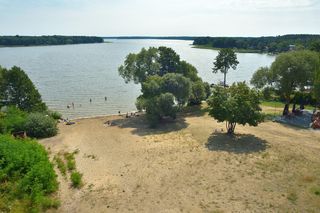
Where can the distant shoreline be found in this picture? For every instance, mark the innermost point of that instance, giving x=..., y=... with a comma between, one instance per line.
x=207, y=47
x=50, y=45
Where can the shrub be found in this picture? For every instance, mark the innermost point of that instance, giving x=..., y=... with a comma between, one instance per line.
x=12, y=120
x=39, y=125
x=27, y=177
x=76, y=179
x=55, y=115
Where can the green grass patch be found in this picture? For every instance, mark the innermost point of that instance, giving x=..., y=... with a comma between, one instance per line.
x=76, y=179
x=71, y=162
x=278, y=104
x=60, y=164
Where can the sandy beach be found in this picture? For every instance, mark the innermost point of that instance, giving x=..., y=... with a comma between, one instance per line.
x=188, y=165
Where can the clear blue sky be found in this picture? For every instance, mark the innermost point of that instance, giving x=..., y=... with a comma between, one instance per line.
x=161, y=17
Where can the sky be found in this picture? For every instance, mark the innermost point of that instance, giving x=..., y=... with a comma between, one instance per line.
x=159, y=17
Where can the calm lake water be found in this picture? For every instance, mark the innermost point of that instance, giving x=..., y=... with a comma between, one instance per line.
x=77, y=73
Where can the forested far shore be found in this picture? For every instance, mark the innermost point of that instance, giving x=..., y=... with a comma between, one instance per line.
x=47, y=40
x=269, y=44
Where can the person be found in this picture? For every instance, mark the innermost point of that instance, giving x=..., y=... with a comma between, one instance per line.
x=68, y=106
x=72, y=105
x=105, y=98
x=119, y=112
x=90, y=100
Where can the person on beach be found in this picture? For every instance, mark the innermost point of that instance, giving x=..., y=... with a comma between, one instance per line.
x=105, y=98
x=90, y=100
x=72, y=105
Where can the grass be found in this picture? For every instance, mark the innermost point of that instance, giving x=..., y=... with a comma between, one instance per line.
x=76, y=179
x=71, y=162
x=61, y=165
x=278, y=104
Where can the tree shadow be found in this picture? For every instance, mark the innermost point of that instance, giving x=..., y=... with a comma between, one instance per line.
x=141, y=127
x=239, y=144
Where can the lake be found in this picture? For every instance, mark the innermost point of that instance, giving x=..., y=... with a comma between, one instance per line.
x=77, y=73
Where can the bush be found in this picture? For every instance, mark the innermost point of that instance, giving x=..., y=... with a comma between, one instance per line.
x=39, y=125
x=12, y=120
x=55, y=115
x=27, y=177
x=76, y=179
x=198, y=93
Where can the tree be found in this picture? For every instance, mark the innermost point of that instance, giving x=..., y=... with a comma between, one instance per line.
x=198, y=93
x=165, y=80
x=18, y=90
x=2, y=86
x=178, y=85
x=169, y=60
x=290, y=72
x=225, y=60
x=158, y=107
x=261, y=78
x=316, y=87
x=294, y=71
x=137, y=67
x=235, y=105
x=315, y=46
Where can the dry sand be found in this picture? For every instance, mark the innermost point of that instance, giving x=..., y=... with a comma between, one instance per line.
x=189, y=166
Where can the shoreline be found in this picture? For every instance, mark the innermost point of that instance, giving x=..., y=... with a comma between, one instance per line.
x=102, y=116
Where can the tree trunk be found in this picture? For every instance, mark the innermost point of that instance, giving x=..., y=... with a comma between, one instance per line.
x=225, y=79
x=230, y=127
x=294, y=108
x=286, y=110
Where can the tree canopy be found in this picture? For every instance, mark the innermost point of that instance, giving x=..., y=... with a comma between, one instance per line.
x=291, y=71
x=235, y=105
x=166, y=81
x=225, y=60
x=18, y=90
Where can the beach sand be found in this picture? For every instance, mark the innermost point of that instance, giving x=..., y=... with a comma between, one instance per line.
x=189, y=165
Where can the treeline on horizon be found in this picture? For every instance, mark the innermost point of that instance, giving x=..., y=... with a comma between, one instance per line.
x=47, y=40
x=153, y=37
x=270, y=44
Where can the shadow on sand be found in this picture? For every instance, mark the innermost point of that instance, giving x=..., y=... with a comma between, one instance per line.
x=140, y=125
x=239, y=144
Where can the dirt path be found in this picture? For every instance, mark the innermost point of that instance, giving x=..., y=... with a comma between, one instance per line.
x=190, y=166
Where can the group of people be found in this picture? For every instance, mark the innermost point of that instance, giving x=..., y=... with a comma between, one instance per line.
x=90, y=100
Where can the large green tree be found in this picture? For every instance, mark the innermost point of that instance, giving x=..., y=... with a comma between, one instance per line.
x=290, y=72
x=225, y=60
x=18, y=90
x=166, y=81
x=235, y=105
